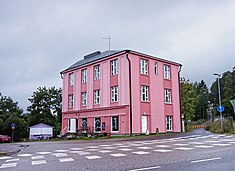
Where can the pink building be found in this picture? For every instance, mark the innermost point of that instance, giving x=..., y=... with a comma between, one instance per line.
x=121, y=92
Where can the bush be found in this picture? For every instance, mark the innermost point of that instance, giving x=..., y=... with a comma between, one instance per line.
x=216, y=128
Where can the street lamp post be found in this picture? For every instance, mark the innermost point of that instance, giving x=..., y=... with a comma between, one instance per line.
x=221, y=117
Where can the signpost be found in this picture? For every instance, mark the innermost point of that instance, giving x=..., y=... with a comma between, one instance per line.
x=233, y=104
x=220, y=108
x=13, y=126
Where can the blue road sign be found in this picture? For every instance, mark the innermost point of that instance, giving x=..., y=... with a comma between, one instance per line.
x=220, y=108
x=13, y=125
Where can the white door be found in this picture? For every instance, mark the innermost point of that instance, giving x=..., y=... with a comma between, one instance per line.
x=72, y=125
x=144, y=124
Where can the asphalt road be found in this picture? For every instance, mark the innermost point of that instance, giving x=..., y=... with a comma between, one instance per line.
x=199, y=150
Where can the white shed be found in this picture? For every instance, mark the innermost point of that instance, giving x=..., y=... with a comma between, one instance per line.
x=40, y=131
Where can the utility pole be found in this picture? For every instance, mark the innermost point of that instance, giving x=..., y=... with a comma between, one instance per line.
x=221, y=117
x=107, y=38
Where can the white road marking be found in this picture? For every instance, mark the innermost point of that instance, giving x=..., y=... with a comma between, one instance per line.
x=44, y=152
x=146, y=168
x=109, y=148
x=66, y=159
x=83, y=153
x=5, y=157
x=123, y=146
x=204, y=160
x=125, y=149
x=180, y=144
x=76, y=148
x=93, y=157
x=221, y=144
x=105, y=151
x=163, y=150
x=92, y=147
x=183, y=148
x=60, y=154
x=203, y=146
x=105, y=145
x=74, y=152
x=140, y=152
x=162, y=146
x=226, y=140
x=8, y=165
x=61, y=151
x=37, y=157
x=118, y=155
x=12, y=160
x=144, y=148
x=231, y=142
x=24, y=155
x=212, y=141
x=37, y=162
x=196, y=143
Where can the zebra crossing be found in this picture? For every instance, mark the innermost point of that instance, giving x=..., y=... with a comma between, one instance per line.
x=123, y=149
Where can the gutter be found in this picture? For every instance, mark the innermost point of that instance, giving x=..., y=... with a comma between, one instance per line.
x=181, y=119
x=130, y=91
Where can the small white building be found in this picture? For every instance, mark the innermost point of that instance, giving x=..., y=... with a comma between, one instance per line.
x=40, y=131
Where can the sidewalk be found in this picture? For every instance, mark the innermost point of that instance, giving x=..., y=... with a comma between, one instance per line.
x=10, y=148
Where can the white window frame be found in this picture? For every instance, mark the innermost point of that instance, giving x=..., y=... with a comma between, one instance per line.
x=84, y=98
x=97, y=97
x=114, y=67
x=144, y=66
x=144, y=92
x=167, y=93
x=84, y=75
x=169, y=123
x=71, y=79
x=71, y=100
x=97, y=72
x=114, y=94
x=117, y=123
x=156, y=67
x=167, y=72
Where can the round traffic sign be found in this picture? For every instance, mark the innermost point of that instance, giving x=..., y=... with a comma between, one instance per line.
x=220, y=108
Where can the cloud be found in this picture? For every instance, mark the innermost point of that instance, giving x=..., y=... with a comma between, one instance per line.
x=41, y=38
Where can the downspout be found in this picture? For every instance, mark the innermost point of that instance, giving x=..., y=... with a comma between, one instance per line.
x=130, y=92
x=180, y=97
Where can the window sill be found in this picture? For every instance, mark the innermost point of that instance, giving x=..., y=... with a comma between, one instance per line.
x=168, y=103
x=145, y=101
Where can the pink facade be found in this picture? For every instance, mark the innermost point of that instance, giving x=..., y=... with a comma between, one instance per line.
x=96, y=94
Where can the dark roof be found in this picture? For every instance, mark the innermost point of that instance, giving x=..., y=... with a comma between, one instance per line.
x=100, y=55
x=93, y=57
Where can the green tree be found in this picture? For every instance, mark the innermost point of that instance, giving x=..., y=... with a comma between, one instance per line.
x=189, y=100
x=227, y=84
x=46, y=107
x=11, y=113
x=203, y=98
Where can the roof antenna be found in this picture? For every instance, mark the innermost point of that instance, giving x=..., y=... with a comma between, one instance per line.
x=107, y=38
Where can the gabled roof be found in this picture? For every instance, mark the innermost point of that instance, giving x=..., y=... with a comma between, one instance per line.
x=41, y=125
x=92, y=57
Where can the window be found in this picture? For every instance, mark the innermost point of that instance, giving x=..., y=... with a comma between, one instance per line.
x=144, y=66
x=84, y=76
x=97, y=97
x=114, y=91
x=97, y=72
x=71, y=79
x=169, y=123
x=114, y=67
x=71, y=100
x=144, y=93
x=167, y=95
x=84, y=124
x=167, y=72
x=84, y=99
x=115, y=123
x=156, y=68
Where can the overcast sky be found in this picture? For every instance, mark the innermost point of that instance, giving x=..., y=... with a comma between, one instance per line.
x=38, y=39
